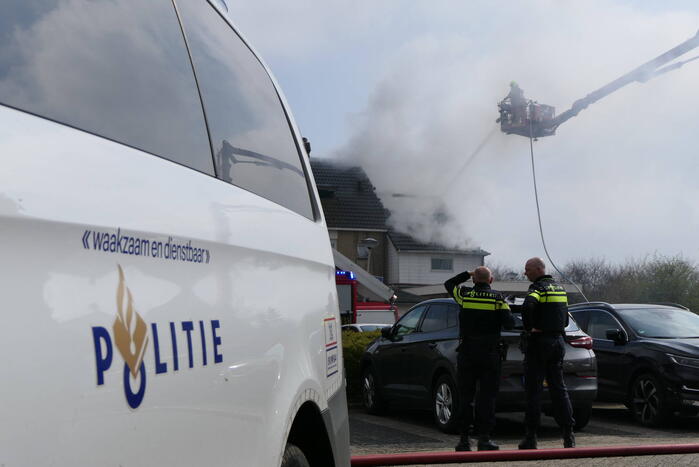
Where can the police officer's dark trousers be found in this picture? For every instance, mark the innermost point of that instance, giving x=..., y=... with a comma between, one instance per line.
x=478, y=368
x=544, y=359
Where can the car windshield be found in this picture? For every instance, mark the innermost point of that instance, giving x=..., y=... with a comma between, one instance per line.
x=663, y=323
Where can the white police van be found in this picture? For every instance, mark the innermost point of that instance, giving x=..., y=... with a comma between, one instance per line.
x=167, y=286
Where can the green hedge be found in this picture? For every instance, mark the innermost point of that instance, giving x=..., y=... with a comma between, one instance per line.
x=353, y=346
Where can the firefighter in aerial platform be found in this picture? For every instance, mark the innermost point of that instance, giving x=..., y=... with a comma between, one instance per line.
x=516, y=95
x=545, y=317
x=483, y=314
x=518, y=104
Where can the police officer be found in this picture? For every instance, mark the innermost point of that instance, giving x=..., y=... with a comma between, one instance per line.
x=545, y=316
x=483, y=314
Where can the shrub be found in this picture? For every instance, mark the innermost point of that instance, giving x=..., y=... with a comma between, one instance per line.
x=353, y=346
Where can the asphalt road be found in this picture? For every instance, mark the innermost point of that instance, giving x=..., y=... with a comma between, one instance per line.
x=408, y=431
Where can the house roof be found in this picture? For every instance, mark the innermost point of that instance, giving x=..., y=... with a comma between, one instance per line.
x=405, y=242
x=348, y=197
x=406, y=297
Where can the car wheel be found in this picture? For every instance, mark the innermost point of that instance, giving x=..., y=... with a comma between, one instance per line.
x=294, y=457
x=582, y=416
x=371, y=398
x=647, y=400
x=445, y=404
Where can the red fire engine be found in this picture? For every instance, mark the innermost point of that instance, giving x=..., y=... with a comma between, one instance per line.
x=354, y=311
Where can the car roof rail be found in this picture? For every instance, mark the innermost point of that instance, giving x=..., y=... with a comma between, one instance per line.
x=676, y=305
x=587, y=304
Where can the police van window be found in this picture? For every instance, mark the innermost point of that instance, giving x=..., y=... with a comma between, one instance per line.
x=252, y=141
x=436, y=318
x=97, y=66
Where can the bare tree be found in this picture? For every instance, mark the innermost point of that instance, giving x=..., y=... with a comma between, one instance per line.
x=504, y=273
x=652, y=279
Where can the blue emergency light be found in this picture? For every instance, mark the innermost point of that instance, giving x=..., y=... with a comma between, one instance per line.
x=348, y=274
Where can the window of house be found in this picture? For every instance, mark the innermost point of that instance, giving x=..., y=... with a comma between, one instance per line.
x=442, y=264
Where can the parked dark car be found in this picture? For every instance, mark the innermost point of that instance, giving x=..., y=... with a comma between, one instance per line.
x=647, y=357
x=414, y=363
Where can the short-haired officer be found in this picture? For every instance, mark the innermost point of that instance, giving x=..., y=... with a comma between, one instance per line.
x=545, y=317
x=483, y=314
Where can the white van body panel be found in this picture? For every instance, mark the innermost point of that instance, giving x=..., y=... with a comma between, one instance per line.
x=60, y=188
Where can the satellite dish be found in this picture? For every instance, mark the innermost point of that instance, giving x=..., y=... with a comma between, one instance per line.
x=368, y=242
x=365, y=246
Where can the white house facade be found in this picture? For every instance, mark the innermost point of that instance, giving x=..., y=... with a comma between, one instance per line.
x=412, y=263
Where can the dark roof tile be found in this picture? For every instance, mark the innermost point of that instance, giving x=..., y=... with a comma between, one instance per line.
x=405, y=242
x=348, y=197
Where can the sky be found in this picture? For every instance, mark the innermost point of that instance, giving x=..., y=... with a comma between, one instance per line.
x=407, y=89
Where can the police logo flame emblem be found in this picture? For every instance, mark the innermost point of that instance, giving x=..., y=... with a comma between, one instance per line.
x=130, y=330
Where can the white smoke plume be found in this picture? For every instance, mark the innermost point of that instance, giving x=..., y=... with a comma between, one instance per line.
x=610, y=174
x=420, y=82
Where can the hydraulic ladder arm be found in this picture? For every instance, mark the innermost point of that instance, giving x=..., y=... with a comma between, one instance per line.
x=649, y=70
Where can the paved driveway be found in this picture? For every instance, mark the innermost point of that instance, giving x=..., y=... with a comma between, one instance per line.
x=611, y=424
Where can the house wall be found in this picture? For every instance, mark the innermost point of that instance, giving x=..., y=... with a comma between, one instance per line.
x=347, y=241
x=416, y=267
x=392, y=267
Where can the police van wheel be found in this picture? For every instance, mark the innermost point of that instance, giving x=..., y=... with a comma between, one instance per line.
x=294, y=457
x=371, y=398
x=445, y=404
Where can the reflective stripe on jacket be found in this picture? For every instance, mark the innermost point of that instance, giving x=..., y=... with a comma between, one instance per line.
x=545, y=306
x=484, y=311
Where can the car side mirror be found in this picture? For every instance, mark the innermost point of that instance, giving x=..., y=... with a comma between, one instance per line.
x=386, y=332
x=616, y=335
x=391, y=333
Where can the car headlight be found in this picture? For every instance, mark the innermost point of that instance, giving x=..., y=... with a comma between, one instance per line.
x=684, y=361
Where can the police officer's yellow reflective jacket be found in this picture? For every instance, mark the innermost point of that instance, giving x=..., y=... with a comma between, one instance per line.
x=545, y=306
x=484, y=311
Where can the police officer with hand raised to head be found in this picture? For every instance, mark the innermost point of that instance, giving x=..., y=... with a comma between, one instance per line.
x=482, y=316
x=545, y=317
